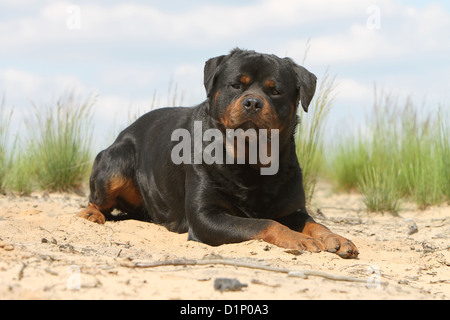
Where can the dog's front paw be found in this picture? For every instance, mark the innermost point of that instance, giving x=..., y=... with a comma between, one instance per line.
x=337, y=244
x=331, y=242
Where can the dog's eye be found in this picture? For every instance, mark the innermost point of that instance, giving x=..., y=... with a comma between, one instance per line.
x=236, y=86
x=275, y=92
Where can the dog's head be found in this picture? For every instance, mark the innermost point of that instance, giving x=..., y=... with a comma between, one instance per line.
x=260, y=91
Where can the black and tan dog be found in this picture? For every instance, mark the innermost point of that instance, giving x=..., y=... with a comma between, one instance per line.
x=218, y=203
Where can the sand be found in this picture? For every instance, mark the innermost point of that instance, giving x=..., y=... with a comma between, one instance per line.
x=46, y=252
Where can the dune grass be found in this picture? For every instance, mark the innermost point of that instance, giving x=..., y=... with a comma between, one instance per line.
x=377, y=185
x=21, y=168
x=54, y=154
x=310, y=135
x=5, y=120
x=443, y=147
x=402, y=153
x=61, y=146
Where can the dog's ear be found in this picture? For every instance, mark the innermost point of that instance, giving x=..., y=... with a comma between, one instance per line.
x=306, y=84
x=211, y=67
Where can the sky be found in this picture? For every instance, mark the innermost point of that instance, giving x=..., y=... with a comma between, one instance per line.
x=136, y=55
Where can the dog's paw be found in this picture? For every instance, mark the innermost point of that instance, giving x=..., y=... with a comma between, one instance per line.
x=343, y=247
x=93, y=215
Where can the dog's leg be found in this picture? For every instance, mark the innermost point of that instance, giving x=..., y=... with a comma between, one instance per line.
x=302, y=222
x=221, y=228
x=111, y=186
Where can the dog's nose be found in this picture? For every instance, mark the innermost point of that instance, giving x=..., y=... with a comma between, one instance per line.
x=252, y=104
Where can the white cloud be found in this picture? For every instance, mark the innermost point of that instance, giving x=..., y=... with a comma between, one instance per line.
x=212, y=24
x=206, y=24
x=350, y=90
x=23, y=83
x=403, y=33
x=123, y=76
x=26, y=87
x=354, y=45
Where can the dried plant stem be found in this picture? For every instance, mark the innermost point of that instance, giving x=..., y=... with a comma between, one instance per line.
x=229, y=262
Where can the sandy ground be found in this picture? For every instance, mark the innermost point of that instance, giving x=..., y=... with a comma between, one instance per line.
x=48, y=253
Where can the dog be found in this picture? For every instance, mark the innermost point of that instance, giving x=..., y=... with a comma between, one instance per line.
x=219, y=202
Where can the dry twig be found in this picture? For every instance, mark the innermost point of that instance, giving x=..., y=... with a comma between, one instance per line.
x=235, y=263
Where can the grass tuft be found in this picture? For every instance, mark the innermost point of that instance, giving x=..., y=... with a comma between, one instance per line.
x=378, y=188
x=5, y=120
x=402, y=154
x=61, y=147
x=309, y=136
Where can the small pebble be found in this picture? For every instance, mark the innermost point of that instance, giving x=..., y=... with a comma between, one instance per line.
x=225, y=284
x=412, y=226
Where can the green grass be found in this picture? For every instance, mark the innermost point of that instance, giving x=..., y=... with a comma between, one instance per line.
x=55, y=154
x=310, y=134
x=5, y=120
x=378, y=187
x=421, y=158
x=347, y=161
x=401, y=154
x=21, y=172
x=62, y=145
x=443, y=148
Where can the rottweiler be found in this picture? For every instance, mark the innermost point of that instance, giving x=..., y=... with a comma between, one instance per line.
x=219, y=202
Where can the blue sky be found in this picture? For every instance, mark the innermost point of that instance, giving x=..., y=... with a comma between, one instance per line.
x=129, y=53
